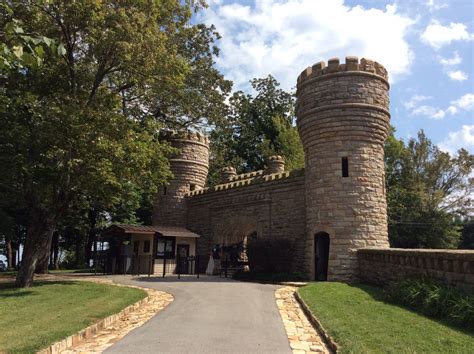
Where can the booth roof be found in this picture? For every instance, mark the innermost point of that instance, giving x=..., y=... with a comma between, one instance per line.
x=161, y=230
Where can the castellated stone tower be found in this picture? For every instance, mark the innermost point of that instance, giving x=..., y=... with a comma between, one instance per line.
x=343, y=120
x=189, y=166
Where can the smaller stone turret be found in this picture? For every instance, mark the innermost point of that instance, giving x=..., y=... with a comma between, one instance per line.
x=189, y=166
x=275, y=164
x=227, y=173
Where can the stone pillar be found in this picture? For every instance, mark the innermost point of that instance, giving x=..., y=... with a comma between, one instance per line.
x=227, y=174
x=190, y=167
x=343, y=121
x=275, y=164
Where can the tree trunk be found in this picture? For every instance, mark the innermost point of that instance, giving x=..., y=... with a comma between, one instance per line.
x=14, y=256
x=51, y=261
x=10, y=254
x=88, y=248
x=91, y=236
x=43, y=259
x=95, y=254
x=37, y=240
x=55, y=250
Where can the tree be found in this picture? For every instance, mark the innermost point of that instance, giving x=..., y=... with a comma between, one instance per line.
x=19, y=49
x=286, y=143
x=467, y=236
x=82, y=127
x=255, y=128
x=426, y=189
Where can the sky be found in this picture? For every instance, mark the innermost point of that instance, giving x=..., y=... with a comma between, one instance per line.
x=427, y=47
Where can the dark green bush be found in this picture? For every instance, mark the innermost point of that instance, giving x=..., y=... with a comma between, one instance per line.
x=270, y=277
x=270, y=255
x=434, y=299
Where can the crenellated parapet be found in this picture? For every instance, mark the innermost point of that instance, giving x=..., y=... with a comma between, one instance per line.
x=247, y=175
x=253, y=178
x=186, y=135
x=343, y=102
x=334, y=67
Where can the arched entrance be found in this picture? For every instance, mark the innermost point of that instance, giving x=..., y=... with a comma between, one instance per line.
x=321, y=255
x=231, y=236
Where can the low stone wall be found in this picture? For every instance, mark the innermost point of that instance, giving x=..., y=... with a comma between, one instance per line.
x=381, y=266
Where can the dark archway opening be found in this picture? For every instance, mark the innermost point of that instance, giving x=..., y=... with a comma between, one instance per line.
x=321, y=254
x=236, y=253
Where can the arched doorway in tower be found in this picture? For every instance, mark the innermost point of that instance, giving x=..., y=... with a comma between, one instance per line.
x=321, y=255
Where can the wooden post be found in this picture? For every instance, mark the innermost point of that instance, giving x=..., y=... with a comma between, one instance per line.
x=138, y=270
x=149, y=266
x=164, y=264
x=178, y=259
x=196, y=265
x=225, y=265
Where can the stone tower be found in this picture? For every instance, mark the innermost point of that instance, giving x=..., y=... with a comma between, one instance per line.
x=189, y=166
x=343, y=121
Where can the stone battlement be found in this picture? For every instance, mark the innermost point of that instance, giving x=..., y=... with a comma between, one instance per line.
x=184, y=135
x=275, y=158
x=255, y=177
x=247, y=175
x=334, y=67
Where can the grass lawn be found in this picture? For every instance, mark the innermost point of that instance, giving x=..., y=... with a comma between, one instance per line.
x=54, y=271
x=361, y=322
x=31, y=319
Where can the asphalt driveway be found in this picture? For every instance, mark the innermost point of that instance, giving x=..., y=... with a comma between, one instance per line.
x=208, y=315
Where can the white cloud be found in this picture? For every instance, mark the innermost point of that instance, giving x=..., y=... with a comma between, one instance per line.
x=413, y=101
x=434, y=5
x=463, y=138
x=284, y=37
x=457, y=75
x=464, y=103
x=449, y=65
x=455, y=60
x=429, y=111
x=437, y=35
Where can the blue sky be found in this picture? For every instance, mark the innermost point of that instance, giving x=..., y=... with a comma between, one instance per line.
x=426, y=45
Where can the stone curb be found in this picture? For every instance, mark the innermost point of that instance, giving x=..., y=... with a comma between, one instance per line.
x=303, y=337
x=329, y=340
x=95, y=328
x=296, y=284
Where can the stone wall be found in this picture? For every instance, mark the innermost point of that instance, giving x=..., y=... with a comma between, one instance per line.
x=270, y=205
x=382, y=266
x=342, y=112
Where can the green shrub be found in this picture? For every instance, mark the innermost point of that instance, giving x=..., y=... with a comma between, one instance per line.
x=270, y=277
x=434, y=299
x=270, y=255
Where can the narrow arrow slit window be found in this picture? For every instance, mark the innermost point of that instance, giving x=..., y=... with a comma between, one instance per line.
x=345, y=167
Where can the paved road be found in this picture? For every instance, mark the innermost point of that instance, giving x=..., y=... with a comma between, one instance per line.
x=208, y=315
